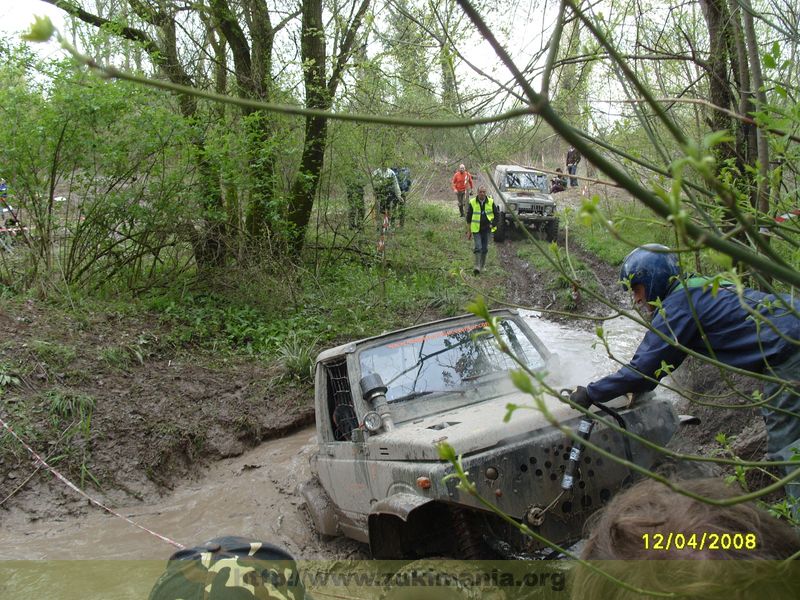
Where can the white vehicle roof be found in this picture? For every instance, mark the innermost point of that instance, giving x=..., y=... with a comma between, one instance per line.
x=518, y=169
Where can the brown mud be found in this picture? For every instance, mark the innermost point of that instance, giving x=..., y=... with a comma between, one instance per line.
x=159, y=414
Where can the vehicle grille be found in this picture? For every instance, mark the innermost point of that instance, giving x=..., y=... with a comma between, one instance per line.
x=535, y=210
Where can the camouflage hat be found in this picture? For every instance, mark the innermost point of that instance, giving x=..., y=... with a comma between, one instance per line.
x=230, y=568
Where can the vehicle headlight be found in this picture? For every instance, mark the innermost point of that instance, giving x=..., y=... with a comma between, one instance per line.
x=512, y=206
x=372, y=421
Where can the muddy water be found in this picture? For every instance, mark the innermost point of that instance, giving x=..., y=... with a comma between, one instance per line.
x=581, y=356
x=254, y=495
x=578, y=363
x=251, y=495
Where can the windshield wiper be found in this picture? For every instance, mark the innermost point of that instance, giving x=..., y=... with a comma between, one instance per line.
x=420, y=393
x=480, y=375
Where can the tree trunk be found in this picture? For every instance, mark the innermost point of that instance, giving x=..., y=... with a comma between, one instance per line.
x=746, y=133
x=758, y=86
x=720, y=94
x=319, y=94
x=312, y=48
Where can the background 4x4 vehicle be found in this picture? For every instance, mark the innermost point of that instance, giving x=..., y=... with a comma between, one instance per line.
x=525, y=193
x=383, y=403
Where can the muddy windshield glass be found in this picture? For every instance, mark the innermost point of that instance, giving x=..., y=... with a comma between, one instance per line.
x=527, y=181
x=451, y=361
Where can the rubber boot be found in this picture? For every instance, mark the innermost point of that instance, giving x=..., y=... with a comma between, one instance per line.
x=477, y=269
x=483, y=260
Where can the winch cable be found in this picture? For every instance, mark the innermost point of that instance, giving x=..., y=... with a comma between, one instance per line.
x=585, y=428
x=621, y=422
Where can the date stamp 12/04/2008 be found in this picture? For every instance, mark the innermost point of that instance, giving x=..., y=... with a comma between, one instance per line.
x=699, y=541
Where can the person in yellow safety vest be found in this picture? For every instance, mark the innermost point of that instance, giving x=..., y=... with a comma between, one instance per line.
x=481, y=219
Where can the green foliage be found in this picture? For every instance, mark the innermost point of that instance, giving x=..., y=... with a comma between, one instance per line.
x=297, y=357
x=122, y=151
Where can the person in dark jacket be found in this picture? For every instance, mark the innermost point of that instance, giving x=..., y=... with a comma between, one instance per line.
x=573, y=158
x=749, y=330
x=559, y=183
x=481, y=220
x=403, y=175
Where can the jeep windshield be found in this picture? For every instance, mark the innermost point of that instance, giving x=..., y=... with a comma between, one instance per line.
x=453, y=366
x=523, y=180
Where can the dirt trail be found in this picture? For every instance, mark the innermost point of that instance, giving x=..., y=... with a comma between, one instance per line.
x=251, y=495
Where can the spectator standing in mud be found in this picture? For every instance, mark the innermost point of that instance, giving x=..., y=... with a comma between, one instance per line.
x=573, y=158
x=403, y=175
x=387, y=190
x=749, y=330
x=230, y=568
x=559, y=183
x=481, y=220
x=637, y=523
x=462, y=186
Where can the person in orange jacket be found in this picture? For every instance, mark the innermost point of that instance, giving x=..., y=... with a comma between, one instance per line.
x=462, y=186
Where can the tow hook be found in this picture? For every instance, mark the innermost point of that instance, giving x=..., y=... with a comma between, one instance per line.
x=535, y=516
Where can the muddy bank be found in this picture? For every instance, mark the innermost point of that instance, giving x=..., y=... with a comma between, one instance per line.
x=120, y=411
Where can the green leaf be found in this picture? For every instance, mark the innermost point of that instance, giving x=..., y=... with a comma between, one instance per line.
x=723, y=260
x=41, y=30
x=522, y=381
x=769, y=61
x=715, y=138
x=446, y=451
x=510, y=408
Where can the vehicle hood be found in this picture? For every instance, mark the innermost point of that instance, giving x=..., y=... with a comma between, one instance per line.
x=468, y=429
x=523, y=197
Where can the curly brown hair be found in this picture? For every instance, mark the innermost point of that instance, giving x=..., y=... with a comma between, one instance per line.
x=628, y=529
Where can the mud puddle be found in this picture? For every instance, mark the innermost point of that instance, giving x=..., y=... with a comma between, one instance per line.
x=252, y=495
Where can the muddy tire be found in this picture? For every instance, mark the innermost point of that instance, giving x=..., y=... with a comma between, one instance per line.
x=500, y=233
x=551, y=230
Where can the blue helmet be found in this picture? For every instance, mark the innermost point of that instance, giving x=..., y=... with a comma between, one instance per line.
x=653, y=266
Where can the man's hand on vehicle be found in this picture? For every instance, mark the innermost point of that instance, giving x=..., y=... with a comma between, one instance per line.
x=580, y=397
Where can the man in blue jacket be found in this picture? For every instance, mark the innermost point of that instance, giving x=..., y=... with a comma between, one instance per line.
x=757, y=332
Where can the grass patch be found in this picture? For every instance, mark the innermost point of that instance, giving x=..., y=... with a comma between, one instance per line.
x=632, y=223
x=54, y=354
x=297, y=357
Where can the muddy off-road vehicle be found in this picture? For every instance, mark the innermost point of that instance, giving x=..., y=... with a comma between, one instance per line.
x=383, y=403
x=526, y=194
